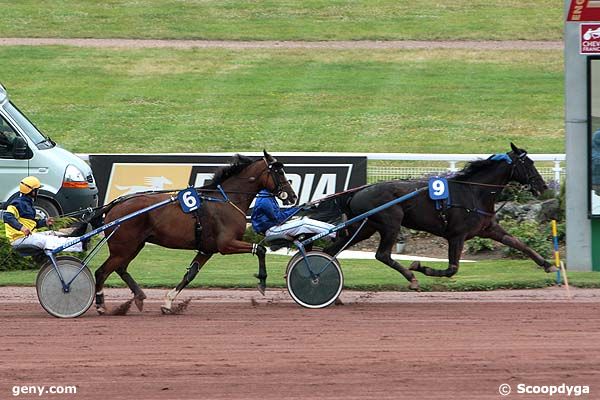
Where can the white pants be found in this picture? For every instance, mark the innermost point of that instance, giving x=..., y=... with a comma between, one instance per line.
x=296, y=227
x=47, y=240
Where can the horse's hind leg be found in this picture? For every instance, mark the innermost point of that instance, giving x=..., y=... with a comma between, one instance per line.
x=113, y=263
x=189, y=276
x=101, y=274
x=138, y=294
x=107, y=268
x=384, y=254
x=455, y=247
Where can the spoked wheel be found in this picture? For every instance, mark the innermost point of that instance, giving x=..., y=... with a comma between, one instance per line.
x=58, y=302
x=316, y=284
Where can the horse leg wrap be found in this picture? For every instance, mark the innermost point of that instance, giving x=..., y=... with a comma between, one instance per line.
x=192, y=271
x=450, y=271
x=100, y=307
x=259, y=250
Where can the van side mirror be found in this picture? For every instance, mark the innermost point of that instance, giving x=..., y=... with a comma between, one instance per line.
x=20, y=149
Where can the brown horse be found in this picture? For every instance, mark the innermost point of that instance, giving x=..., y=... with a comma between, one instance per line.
x=220, y=227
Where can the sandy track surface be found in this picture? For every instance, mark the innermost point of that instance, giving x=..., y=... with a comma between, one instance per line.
x=28, y=295
x=377, y=346
x=269, y=44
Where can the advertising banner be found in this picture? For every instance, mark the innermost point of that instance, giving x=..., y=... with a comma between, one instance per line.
x=312, y=177
x=584, y=10
x=589, y=34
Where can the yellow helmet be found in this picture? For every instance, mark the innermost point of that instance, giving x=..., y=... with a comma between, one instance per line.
x=29, y=184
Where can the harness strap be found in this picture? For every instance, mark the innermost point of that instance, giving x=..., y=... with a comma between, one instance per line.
x=198, y=229
x=227, y=200
x=236, y=207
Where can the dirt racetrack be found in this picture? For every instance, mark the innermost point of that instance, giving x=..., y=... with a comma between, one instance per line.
x=239, y=345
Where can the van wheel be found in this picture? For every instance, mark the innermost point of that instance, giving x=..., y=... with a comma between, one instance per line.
x=44, y=209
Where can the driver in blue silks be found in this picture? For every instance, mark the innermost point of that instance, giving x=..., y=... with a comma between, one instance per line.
x=269, y=219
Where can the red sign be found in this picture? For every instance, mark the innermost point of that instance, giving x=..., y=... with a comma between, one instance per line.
x=584, y=10
x=589, y=35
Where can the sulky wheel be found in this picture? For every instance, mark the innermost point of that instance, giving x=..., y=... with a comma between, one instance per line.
x=296, y=256
x=316, y=284
x=61, y=303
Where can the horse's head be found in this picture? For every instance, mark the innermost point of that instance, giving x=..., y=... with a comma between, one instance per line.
x=275, y=181
x=524, y=172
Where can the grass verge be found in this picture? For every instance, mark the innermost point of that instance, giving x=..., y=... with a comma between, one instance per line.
x=158, y=267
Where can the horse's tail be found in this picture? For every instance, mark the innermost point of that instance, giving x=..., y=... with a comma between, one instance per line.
x=96, y=218
x=332, y=208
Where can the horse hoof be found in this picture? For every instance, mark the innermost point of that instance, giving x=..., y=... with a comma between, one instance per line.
x=139, y=302
x=338, y=302
x=261, y=288
x=414, y=285
x=165, y=310
x=101, y=310
x=415, y=266
x=550, y=269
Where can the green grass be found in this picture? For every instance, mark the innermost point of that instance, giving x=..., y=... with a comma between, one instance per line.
x=285, y=19
x=165, y=100
x=158, y=267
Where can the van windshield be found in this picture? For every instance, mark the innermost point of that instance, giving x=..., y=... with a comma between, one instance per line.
x=42, y=141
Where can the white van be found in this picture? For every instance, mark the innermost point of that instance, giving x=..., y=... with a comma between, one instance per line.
x=68, y=183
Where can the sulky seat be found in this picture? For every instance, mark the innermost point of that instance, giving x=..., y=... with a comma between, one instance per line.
x=28, y=250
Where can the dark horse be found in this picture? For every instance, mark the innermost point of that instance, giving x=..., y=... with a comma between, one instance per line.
x=473, y=193
x=222, y=224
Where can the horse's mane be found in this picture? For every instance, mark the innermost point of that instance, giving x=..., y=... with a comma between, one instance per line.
x=473, y=167
x=238, y=163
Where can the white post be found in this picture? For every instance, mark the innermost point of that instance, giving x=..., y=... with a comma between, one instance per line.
x=557, y=171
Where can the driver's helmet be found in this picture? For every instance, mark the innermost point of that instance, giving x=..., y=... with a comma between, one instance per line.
x=29, y=184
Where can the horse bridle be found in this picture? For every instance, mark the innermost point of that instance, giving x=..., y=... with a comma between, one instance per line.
x=520, y=162
x=275, y=169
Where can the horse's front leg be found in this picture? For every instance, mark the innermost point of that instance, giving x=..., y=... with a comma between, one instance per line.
x=497, y=233
x=239, y=247
x=455, y=247
x=261, y=253
x=189, y=276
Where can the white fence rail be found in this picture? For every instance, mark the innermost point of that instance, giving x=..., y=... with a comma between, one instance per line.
x=553, y=171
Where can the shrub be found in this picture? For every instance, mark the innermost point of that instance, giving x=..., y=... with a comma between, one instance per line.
x=9, y=260
x=478, y=244
x=532, y=234
x=516, y=193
